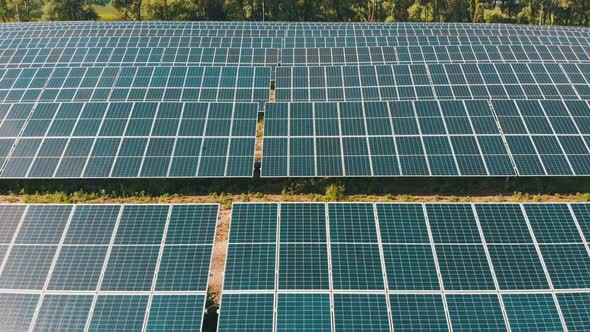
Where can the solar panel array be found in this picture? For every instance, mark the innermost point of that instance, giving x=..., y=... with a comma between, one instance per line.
x=460, y=99
x=441, y=81
x=126, y=140
x=385, y=267
x=219, y=84
x=427, y=138
x=105, y=267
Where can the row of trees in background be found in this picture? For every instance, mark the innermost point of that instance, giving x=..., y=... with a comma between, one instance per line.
x=549, y=12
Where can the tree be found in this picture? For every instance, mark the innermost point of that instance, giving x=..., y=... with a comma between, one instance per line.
x=419, y=12
x=181, y=10
x=69, y=10
x=478, y=12
x=129, y=9
x=495, y=16
x=390, y=10
x=20, y=10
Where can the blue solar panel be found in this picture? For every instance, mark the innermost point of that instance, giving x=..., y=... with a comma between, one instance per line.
x=106, y=267
x=420, y=266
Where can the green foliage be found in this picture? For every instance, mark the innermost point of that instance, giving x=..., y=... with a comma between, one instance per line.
x=20, y=10
x=245, y=197
x=561, y=12
x=128, y=9
x=69, y=10
x=479, y=15
x=406, y=198
x=334, y=193
x=525, y=16
x=495, y=16
x=418, y=12
x=181, y=10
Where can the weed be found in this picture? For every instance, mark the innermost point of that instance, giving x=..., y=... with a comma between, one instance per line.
x=334, y=193
x=406, y=198
x=245, y=197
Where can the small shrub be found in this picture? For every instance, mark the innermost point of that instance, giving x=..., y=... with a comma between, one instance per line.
x=259, y=195
x=389, y=197
x=225, y=200
x=406, y=198
x=245, y=197
x=11, y=199
x=335, y=193
x=453, y=199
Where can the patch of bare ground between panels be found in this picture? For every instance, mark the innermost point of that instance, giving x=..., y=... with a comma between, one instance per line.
x=219, y=253
x=271, y=96
x=259, y=138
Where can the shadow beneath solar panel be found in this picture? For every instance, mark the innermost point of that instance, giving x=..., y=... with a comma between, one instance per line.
x=128, y=188
x=210, y=319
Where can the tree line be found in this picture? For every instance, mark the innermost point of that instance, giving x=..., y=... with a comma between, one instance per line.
x=546, y=12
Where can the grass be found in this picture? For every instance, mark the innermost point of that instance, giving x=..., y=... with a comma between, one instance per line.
x=226, y=192
x=106, y=12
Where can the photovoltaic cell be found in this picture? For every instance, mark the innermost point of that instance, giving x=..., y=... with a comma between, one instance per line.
x=78, y=268
x=310, y=312
x=464, y=267
x=17, y=310
x=10, y=217
x=184, y=268
x=532, y=312
x=26, y=267
x=418, y=312
x=348, y=317
x=118, y=313
x=476, y=312
x=517, y=267
x=246, y=312
x=250, y=266
x=43, y=224
x=176, y=312
x=574, y=307
x=63, y=313
x=410, y=267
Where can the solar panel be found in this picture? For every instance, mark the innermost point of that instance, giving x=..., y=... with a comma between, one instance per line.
x=427, y=81
x=378, y=266
x=575, y=310
x=152, y=41
x=425, y=138
x=219, y=84
x=376, y=55
x=532, y=312
x=137, y=56
x=106, y=267
x=126, y=140
x=418, y=312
